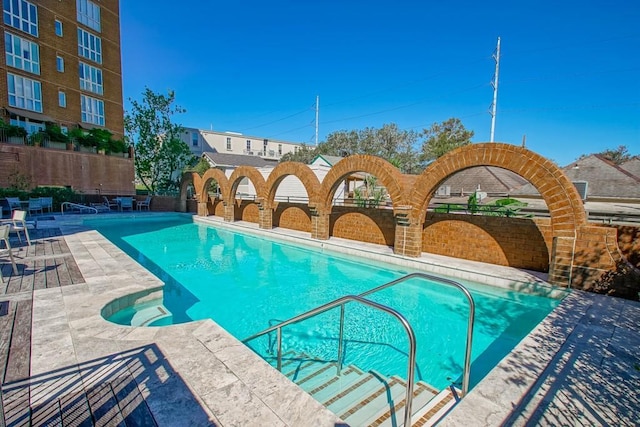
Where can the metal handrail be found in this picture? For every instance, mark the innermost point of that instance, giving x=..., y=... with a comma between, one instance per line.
x=472, y=314
x=77, y=206
x=360, y=298
x=341, y=302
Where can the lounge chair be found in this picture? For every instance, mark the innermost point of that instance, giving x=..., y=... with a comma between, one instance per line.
x=46, y=203
x=109, y=204
x=35, y=205
x=144, y=203
x=126, y=203
x=4, y=237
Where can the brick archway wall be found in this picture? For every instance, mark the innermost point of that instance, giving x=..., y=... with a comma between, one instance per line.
x=561, y=197
x=387, y=174
x=299, y=170
x=188, y=178
x=252, y=174
x=219, y=177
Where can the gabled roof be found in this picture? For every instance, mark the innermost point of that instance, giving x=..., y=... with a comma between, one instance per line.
x=604, y=178
x=491, y=179
x=329, y=160
x=632, y=166
x=235, y=160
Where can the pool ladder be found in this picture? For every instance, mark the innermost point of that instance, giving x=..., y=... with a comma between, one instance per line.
x=409, y=330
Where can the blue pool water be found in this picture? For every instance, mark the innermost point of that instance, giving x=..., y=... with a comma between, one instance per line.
x=247, y=283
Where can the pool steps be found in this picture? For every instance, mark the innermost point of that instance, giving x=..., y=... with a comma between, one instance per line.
x=365, y=398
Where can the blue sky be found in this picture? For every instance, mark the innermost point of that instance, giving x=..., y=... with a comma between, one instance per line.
x=569, y=70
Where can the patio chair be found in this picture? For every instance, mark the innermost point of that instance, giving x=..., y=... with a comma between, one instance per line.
x=35, y=205
x=46, y=203
x=144, y=203
x=109, y=204
x=4, y=236
x=14, y=203
x=126, y=203
x=18, y=223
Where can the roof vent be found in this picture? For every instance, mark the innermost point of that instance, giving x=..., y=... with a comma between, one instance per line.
x=582, y=187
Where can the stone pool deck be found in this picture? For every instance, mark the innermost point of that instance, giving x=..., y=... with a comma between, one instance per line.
x=580, y=366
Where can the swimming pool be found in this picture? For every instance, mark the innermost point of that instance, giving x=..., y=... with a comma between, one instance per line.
x=247, y=283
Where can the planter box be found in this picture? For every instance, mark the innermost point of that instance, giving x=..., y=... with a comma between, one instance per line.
x=56, y=145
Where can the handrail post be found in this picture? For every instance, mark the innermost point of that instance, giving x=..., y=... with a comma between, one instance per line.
x=340, y=337
x=279, y=339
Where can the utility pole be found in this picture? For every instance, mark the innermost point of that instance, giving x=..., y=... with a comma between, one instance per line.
x=317, y=114
x=494, y=83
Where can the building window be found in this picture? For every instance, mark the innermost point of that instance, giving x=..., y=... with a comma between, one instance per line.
x=89, y=14
x=64, y=130
x=58, y=27
x=228, y=143
x=280, y=149
x=264, y=146
x=62, y=99
x=60, y=64
x=21, y=53
x=92, y=110
x=24, y=93
x=22, y=15
x=90, y=78
x=194, y=139
x=248, y=145
x=89, y=46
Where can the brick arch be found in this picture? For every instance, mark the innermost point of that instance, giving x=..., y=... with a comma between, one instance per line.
x=245, y=171
x=299, y=170
x=217, y=175
x=561, y=197
x=387, y=174
x=188, y=178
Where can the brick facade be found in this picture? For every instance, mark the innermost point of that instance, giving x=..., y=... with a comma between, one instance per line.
x=67, y=81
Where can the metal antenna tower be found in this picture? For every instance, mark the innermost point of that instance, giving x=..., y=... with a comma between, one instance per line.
x=317, y=114
x=494, y=83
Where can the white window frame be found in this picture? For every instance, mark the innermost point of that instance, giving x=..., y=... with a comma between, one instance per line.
x=90, y=78
x=28, y=57
x=88, y=14
x=62, y=99
x=24, y=93
x=14, y=18
x=248, y=145
x=58, y=28
x=228, y=143
x=60, y=64
x=194, y=139
x=92, y=110
x=89, y=46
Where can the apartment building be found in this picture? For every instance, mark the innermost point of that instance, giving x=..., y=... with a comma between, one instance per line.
x=62, y=65
x=203, y=141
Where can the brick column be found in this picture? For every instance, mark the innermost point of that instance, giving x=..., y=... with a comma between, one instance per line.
x=202, y=209
x=408, y=237
x=561, y=262
x=319, y=224
x=265, y=213
x=229, y=211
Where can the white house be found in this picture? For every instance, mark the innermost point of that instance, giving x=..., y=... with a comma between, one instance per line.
x=203, y=141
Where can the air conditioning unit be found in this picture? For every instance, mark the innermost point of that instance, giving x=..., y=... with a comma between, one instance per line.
x=582, y=187
x=444, y=191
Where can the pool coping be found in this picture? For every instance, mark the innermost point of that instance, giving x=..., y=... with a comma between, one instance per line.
x=247, y=388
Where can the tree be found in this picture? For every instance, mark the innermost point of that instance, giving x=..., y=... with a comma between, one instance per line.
x=444, y=137
x=617, y=156
x=160, y=153
x=303, y=155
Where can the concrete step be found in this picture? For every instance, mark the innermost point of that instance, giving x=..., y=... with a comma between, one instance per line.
x=378, y=405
